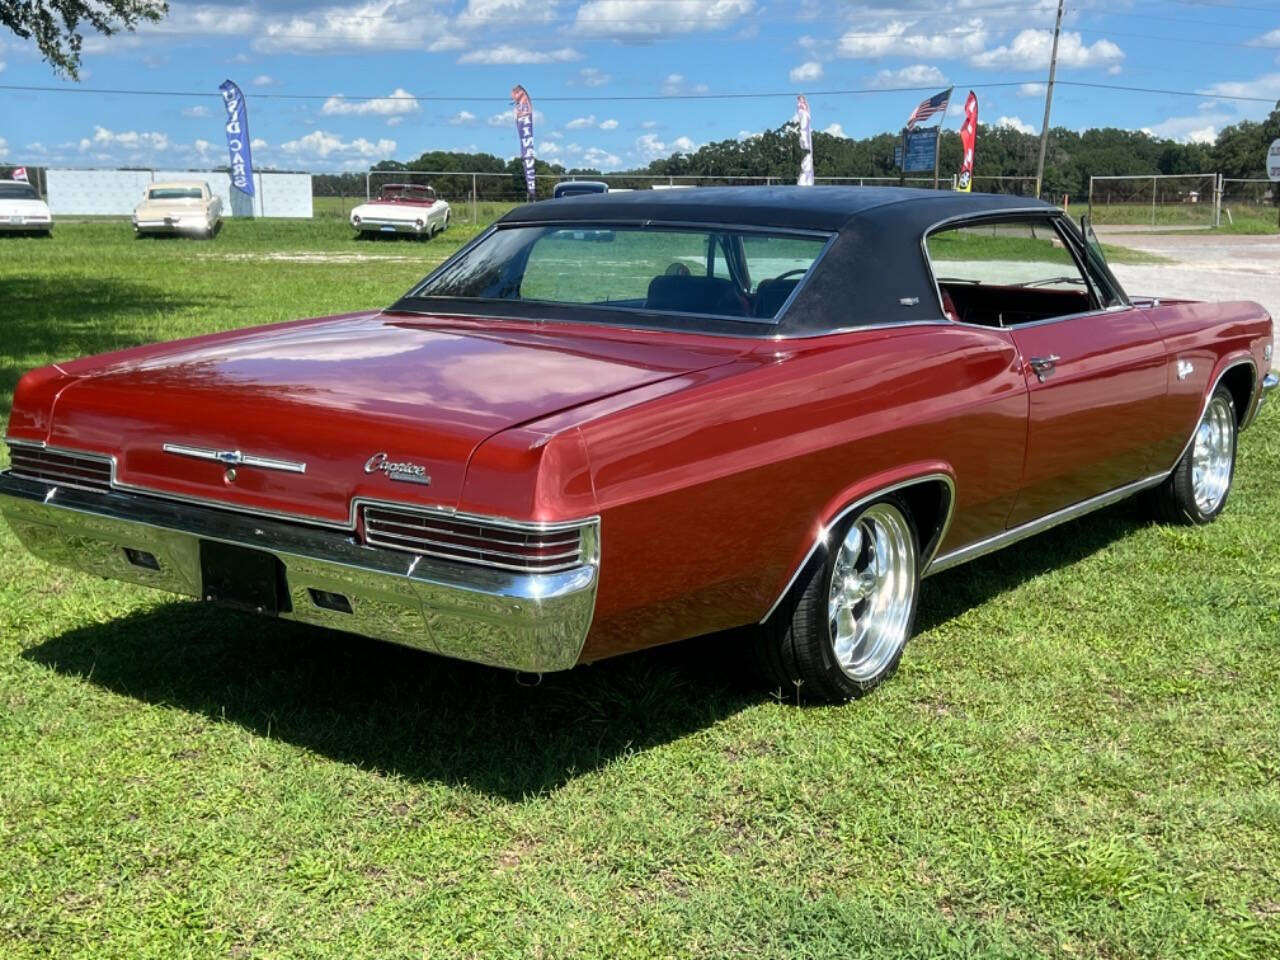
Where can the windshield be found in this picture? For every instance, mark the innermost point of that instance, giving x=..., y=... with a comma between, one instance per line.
x=174, y=193
x=668, y=270
x=18, y=191
x=411, y=194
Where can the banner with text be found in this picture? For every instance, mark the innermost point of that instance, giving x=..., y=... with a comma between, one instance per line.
x=968, y=140
x=806, y=142
x=238, y=137
x=524, y=129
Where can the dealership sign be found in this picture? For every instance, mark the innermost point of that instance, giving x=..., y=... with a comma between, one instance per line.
x=1273, y=161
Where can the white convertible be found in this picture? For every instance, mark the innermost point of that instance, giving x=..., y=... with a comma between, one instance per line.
x=22, y=209
x=403, y=208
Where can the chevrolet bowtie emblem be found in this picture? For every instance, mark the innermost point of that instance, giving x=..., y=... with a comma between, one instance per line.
x=234, y=458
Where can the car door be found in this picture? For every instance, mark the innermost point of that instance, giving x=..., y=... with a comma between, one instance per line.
x=1093, y=365
x=1098, y=386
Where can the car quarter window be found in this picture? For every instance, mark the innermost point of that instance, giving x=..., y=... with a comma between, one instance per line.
x=1007, y=272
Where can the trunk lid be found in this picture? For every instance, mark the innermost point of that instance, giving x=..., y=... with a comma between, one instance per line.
x=333, y=393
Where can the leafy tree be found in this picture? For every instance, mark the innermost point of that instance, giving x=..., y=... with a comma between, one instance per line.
x=56, y=25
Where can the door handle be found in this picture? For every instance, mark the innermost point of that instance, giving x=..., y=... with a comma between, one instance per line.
x=1044, y=366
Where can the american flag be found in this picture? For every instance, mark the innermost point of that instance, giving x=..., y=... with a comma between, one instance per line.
x=933, y=105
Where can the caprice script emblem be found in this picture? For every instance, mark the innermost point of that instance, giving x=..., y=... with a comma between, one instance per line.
x=396, y=470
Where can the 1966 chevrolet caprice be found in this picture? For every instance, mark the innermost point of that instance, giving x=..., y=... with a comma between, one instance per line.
x=614, y=421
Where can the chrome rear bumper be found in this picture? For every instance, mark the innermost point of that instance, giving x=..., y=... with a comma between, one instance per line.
x=520, y=621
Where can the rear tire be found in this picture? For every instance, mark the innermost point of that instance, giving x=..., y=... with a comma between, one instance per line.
x=842, y=632
x=1197, y=490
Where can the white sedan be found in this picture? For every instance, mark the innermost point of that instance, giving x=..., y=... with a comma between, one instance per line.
x=22, y=209
x=403, y=208
x=178, y=206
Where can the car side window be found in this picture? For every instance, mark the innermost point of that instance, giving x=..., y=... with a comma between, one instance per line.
x=1008, y=272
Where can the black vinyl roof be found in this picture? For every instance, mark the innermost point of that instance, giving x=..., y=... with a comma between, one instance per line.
x=873, y=271
x=826, y=208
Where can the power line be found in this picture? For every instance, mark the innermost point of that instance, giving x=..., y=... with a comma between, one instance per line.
x=653, y=97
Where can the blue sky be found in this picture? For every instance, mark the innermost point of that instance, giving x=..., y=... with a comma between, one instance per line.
x=467, y=50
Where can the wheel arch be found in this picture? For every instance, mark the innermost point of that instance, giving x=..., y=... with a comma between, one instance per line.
x=929, y=492
x=1240, y=376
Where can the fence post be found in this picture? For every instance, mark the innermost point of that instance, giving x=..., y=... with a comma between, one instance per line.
x=1217, y=201
x=475, y=216
x=1090, y=198
x=1154, y=182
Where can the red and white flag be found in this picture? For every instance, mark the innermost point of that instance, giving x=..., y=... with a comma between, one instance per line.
x=968, y=140
x=19, y=173
x=806, y=142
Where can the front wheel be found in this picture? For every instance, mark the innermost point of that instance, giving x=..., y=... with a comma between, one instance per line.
x=851, y=619
x=1196, y=492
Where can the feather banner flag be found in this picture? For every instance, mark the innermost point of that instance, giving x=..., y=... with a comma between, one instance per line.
x=238, y=137
x=806, y=142
x=968, y=140
x=524, y=129
x=19, y=173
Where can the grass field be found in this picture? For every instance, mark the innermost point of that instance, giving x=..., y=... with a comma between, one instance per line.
x=1236, y=217
x=1077, y=759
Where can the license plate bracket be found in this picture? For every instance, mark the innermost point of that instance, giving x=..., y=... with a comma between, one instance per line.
x=242, y=577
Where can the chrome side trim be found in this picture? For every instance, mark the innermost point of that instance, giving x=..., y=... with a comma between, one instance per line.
x=1031, y=528
x=234, y=458
x=533, y=622
x=825, y=531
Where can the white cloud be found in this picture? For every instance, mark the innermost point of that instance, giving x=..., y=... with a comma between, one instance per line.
x=128, y=139
x=641, y=18
x=399, y=101
x=593, y=77
x=895, y=39
x=1031, y=50
x=675, y=85
x=1266, y=86
x=579, y=123
x=319, y=143
x=394, y=121
x=1015, y=123
x=546, y=149
x=1031, y=90
x=919, y=75
x=4, y=147
x=263, y=80
x=649, y=147
x=196, y=111
x=608, y=124
x=649, y=124
x=258, y=144
x=1197, y=128
x=463, y=118
x=752, y=134
x=1269, y=39
x=202, y=146
x=807, y=72
x=509, y=53
x=446, y=42
x=835, y=129
x=600, y=159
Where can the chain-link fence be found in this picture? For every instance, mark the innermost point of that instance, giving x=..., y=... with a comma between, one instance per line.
x=1250, y=199
x=1167, y=201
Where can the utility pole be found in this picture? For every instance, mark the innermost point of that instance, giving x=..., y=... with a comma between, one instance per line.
x=1048, y=101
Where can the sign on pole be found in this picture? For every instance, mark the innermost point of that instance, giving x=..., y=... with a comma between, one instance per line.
x=1273, y=162
x=920, y=152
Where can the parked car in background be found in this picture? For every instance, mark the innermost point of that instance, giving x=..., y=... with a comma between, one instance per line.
x=21, y=209
x=178, y=206
x=403, y=208
x=577, y=188
x=613, y=422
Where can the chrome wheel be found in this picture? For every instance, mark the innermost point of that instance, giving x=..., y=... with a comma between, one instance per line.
x=871, y=594
x=1212, y=455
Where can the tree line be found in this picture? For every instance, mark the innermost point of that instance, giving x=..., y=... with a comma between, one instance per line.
x=1239, y=151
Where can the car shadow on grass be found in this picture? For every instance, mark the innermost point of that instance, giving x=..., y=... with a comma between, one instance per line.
x=426, y=718
x=52, y=318
x=396, y=710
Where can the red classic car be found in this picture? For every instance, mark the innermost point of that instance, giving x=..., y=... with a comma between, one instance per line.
x=612, y=422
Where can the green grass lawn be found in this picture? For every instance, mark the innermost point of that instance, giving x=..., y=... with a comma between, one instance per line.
x=1078, y=758
x=1243, y=218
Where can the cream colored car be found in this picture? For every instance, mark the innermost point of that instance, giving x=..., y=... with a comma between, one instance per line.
x=178, y=206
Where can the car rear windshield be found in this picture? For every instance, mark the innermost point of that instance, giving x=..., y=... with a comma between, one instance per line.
x=712, y=272
x=174, y=193
x=17, y=191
